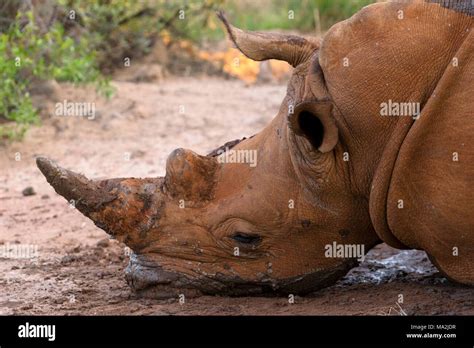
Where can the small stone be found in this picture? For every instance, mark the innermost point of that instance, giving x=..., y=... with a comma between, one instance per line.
x=137, y=154
x=27, y=306
x=28, y=191
x=69, y=259
x=45, y=197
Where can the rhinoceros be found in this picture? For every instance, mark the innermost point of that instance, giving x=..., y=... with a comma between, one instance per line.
x=373, y=143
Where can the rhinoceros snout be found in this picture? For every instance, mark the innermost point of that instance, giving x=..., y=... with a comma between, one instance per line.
x=148, y=279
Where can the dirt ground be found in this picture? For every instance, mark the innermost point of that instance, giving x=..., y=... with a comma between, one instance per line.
x=79, y=271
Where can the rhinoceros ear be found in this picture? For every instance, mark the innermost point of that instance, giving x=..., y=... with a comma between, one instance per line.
x=313, y=120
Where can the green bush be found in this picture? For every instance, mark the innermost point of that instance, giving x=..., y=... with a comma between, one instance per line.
x=114, y=28
x=28, y=54
x=82, y=39
x=125, y=28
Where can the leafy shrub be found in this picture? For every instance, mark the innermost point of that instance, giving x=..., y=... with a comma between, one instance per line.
x=124, y=28
x=81, y=39
x=28, y=54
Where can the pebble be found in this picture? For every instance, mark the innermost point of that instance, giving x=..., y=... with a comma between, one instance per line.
x=28, y=191
x=69, y=258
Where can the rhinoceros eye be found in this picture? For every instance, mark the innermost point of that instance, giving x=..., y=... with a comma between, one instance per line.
x=246, y=238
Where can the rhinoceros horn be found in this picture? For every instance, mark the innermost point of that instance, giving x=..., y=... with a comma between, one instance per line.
x=190, y=176
x=86, y=195
x=122, y=207
x=262, y=46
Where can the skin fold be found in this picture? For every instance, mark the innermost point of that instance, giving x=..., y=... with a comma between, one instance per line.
x=331, y=169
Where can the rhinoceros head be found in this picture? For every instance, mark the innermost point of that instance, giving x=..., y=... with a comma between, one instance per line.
x=254, y=216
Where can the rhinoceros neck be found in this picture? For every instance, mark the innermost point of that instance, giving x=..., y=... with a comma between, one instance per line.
x=375, y=69
x=381, y=178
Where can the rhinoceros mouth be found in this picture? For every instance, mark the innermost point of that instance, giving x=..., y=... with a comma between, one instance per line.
x=147, y=278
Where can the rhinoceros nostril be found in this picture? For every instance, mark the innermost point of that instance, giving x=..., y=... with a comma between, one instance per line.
x=246, y=238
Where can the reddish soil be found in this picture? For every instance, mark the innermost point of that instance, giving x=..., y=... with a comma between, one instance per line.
x=79, y=271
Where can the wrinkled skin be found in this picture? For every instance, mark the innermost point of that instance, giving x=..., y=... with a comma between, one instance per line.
x=304, y=194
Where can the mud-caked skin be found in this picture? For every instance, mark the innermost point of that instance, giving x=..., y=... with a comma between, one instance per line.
x=331, y=168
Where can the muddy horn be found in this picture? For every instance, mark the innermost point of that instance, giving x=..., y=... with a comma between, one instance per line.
x=87, y=195
x=262, y=46
x=190, y=176
x=125, y=208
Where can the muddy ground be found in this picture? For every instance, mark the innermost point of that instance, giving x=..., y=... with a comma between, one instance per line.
x=79, y=271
